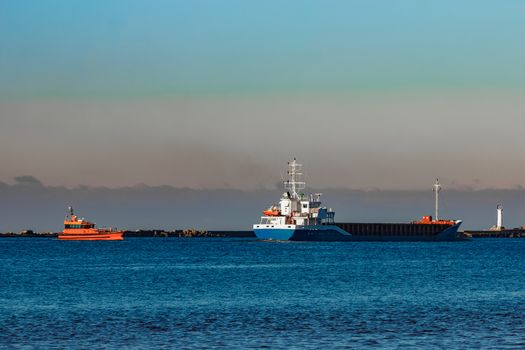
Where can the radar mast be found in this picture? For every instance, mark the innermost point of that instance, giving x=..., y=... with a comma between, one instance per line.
x=295, y=180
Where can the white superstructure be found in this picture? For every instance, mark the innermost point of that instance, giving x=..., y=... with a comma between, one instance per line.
x=295, y=208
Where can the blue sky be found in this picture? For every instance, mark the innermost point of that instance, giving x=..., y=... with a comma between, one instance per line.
x=107, y=49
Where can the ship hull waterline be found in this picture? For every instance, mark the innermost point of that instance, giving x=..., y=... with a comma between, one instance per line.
x=114, y=236
x=333, y=233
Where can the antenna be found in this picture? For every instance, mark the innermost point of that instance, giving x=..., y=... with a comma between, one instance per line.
x=437, y=189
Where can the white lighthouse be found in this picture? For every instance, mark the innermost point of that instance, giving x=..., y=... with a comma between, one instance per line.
x=499, y=223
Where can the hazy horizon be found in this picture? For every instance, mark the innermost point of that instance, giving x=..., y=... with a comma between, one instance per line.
x=30, y=204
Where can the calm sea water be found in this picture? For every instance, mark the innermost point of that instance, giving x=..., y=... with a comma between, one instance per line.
x=234, y=293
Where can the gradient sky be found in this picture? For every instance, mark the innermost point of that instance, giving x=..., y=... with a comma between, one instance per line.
x=220, y=94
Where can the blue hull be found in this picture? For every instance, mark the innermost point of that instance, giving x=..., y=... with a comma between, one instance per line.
x=333, y=233
x=275, y=234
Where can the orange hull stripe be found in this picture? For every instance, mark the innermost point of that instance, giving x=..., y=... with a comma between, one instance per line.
x=117, y=236
x=92, y=238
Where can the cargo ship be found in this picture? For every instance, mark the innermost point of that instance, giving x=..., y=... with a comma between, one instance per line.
x=79, y=229
x=298, y=217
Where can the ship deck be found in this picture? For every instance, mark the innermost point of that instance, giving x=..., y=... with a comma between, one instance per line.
x=392, y=229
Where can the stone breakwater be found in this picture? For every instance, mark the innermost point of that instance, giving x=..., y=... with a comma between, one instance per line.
x=505, y=233
x=146, y=233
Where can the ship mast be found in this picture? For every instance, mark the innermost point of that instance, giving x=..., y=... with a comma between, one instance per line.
x=70, y=211
x=295, y=181
x=436, y=189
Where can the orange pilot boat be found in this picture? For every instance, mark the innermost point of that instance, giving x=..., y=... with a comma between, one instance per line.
x=76, y=229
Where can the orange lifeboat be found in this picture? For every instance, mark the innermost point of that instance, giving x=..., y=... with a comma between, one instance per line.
x=273, y=211
x=76, y=229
